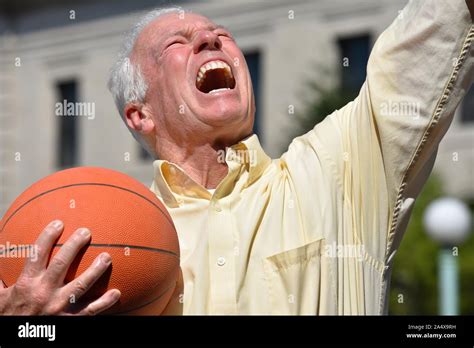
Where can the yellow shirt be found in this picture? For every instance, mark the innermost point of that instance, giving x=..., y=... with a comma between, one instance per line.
x=315, y=231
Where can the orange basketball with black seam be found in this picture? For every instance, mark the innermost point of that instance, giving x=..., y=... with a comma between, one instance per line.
x=126, y=220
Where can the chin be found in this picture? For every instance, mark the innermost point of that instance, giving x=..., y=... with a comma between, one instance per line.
x=224, y=115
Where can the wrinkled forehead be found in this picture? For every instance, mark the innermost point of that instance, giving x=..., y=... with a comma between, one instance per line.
x=172, y=24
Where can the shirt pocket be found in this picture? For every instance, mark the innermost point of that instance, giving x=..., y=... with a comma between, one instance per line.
x=299, y=281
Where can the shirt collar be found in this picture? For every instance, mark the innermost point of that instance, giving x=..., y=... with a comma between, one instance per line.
x=171, y=182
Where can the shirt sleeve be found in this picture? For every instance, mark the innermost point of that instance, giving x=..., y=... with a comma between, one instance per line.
x=381, y=147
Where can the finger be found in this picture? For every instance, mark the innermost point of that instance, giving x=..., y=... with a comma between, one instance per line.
x=59, y=265
x=2, y=284
x=106, y=301
x=37, y=261
x=79, y=286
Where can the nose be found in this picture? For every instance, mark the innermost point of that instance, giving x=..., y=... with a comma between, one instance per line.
x=206, y=40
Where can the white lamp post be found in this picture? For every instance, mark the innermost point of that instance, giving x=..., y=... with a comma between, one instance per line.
x=448, y=221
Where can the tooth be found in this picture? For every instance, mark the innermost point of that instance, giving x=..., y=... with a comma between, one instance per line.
x=216, y=64
x=218, y=90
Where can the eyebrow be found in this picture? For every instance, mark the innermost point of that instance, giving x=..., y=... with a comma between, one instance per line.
x=187, y=31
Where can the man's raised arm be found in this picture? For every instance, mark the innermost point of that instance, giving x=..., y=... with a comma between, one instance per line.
x=418, y=72
x=380, y=148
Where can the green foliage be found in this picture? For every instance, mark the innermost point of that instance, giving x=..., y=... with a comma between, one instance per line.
x=466, y=273
x=320, y=102
x=328, y=101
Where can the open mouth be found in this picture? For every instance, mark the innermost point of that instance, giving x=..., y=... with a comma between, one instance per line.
x=215, y=76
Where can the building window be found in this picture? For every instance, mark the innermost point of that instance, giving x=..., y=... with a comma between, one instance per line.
x=467, y=109
x=253, y=62
x=354, y=53
x=68, y=127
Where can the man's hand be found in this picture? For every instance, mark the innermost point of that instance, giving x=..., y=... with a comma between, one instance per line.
x=40, y=289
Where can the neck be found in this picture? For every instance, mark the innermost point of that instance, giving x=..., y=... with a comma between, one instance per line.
x=204, y=163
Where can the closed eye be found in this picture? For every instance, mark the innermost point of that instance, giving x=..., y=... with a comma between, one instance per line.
x=224, y=34
x=174, y=43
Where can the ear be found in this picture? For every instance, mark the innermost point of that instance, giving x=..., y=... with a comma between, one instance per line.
x=138, y=118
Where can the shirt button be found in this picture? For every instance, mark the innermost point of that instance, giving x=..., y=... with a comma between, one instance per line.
x=217, y=208
x=221, y=261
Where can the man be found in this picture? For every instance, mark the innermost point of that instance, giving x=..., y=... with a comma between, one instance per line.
x=262, y=236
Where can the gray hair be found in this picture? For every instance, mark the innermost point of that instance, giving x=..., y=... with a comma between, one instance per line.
x=126, y=82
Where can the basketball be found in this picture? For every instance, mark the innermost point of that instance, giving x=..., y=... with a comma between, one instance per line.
x=125, y=219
